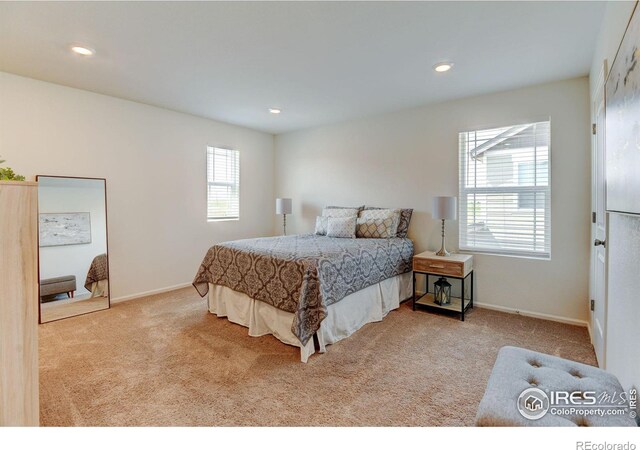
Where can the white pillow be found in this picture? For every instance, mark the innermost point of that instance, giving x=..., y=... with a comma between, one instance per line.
x=341, y=227
x=321, y=225
x=343, y=212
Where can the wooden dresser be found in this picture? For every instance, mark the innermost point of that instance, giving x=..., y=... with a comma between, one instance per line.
x=19, y=403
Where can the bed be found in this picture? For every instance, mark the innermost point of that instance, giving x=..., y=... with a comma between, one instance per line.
x=97, y=281
x=302, y=287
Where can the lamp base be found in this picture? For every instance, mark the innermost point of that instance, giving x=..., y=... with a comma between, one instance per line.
x=443, y=249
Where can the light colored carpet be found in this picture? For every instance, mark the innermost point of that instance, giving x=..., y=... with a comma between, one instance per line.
x=164, y=360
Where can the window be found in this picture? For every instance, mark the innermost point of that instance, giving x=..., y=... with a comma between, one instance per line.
x=505, y=190
x=223, y=184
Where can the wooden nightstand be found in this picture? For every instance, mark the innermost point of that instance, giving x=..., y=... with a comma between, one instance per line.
x=456, y=266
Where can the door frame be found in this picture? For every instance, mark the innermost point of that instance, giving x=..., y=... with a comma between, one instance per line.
x=597, y=97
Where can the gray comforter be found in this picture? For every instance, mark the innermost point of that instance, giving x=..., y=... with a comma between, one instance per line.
x=303, y=274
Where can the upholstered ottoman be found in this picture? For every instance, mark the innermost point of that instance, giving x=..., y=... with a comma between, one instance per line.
x=59, y=285
x=527, y=388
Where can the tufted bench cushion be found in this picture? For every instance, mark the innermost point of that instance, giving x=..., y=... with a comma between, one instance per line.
x=58, y=285
x=517, y=369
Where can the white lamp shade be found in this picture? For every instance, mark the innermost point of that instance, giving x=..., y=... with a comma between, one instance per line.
x=283, y=206
x=444, y=208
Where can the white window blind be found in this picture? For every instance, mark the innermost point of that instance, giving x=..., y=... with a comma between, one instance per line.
x=505, y=190
x=223, y=183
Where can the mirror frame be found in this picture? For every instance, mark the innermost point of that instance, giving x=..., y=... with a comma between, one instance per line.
x=106, y=224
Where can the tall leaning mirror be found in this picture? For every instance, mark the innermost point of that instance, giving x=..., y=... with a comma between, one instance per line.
x=72, y=239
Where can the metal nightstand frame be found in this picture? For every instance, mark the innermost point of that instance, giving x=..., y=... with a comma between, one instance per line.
x=434, y=307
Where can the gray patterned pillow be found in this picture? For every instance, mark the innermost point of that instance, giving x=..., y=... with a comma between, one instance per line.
x=321, y=225
x=341, y=227
x=377, y=228
x=341, y=212
x=403, y=223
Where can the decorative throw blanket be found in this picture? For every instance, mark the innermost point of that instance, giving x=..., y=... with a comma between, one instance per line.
x=303, y=274
x=97, y=271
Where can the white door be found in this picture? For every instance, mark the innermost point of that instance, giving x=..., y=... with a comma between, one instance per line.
x=598, y=303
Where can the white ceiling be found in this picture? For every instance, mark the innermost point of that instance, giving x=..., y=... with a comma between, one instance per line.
x=320, y=62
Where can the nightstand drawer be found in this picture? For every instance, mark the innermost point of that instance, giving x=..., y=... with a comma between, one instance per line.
x=453, y=268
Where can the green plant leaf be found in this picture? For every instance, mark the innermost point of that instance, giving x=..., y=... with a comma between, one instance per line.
x=7, y=173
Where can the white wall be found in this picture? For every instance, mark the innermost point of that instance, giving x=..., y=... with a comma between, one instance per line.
x=75, y=259
x=154, y=163
x=405, y=158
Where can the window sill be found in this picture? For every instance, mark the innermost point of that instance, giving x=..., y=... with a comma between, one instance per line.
x=508, y=255
x=226, y=219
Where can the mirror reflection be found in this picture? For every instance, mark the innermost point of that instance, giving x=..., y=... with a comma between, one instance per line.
x=74, y=272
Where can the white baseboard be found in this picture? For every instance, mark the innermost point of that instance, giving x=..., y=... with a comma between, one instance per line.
x=567, y=320
x=506, y=309
x=125, y=298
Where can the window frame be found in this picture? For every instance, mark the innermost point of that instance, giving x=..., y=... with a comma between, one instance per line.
x=220, y=183
x=462, y=192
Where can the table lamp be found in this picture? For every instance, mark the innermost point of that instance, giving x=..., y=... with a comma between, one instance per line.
x=444, y=208
x=283, y=206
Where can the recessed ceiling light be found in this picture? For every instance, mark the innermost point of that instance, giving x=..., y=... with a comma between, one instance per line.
x=443, y=67
x=275, y=110
x=83, y=51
